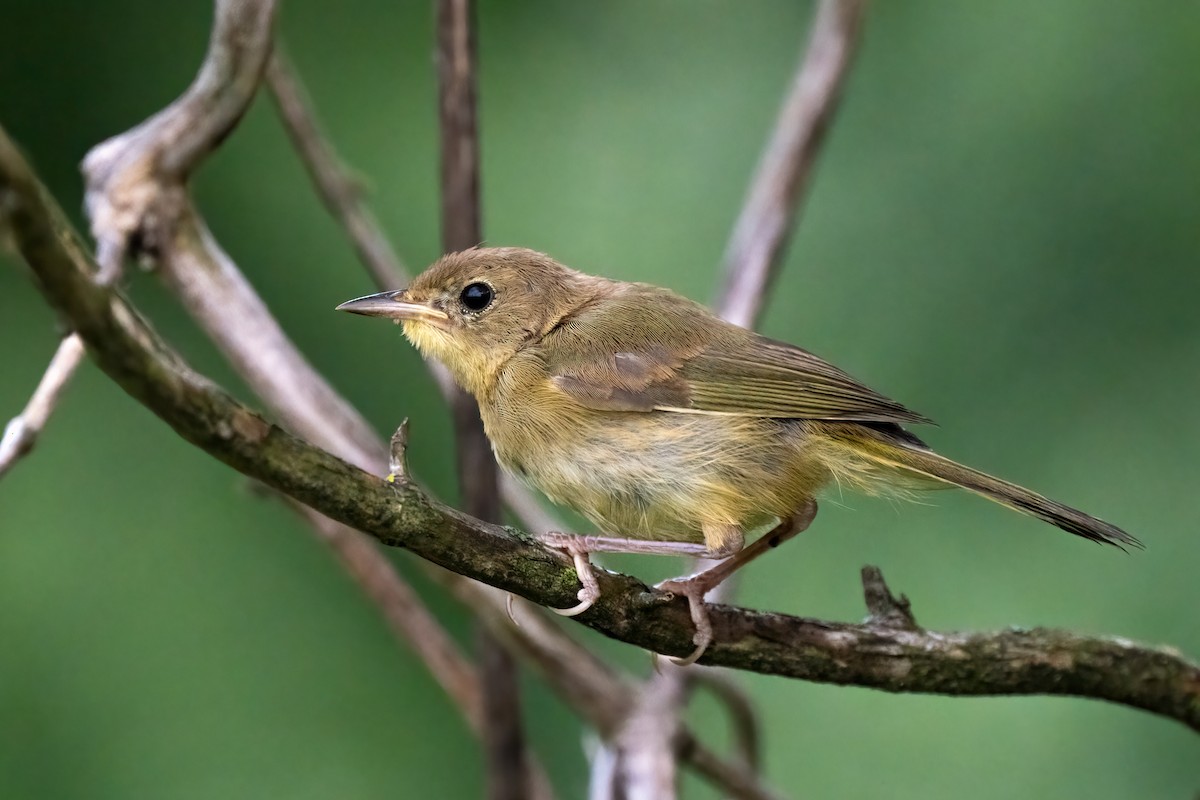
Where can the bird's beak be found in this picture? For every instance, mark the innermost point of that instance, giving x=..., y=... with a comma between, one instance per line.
x=393, y=305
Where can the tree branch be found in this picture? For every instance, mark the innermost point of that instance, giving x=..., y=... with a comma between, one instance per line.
x=400, y=514
x=647, y=744
x=600, y=694
x=127, y=172
x=742, y=715
x=341, y=194
x=462, y=223
x=407, y=616
x=505, y=755
x=136, y=194
x=772, y=204
x=22, y=431
x=462, y=228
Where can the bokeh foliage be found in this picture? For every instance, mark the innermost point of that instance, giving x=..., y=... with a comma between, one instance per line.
x=1003, y=234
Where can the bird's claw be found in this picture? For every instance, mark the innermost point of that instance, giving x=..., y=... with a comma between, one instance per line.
x=572, y=546
x=694, y=590
x=510, y=600
x=586, y=601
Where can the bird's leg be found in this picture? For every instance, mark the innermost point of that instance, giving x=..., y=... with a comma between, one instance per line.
x=578, y=548
x=695, y=587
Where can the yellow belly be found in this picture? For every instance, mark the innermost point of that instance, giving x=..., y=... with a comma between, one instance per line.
x=659, y=475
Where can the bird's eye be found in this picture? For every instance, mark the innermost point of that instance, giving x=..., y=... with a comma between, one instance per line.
x=477, y=296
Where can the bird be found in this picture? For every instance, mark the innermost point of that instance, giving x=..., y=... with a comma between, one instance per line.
x=671, y=430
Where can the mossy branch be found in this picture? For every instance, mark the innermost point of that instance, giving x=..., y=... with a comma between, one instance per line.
x=888, y=652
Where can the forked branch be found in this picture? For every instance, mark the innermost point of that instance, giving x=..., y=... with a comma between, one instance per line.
x=400, y=514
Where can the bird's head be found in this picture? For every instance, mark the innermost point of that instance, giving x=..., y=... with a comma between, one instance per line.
x=475, y=309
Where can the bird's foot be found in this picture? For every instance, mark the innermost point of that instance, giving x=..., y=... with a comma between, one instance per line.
x=576, y=548
x=693, y=588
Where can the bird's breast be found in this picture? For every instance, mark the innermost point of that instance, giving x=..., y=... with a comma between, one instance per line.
x=658, y=475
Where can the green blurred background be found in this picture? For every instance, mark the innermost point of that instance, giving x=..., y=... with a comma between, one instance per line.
x=1002, y=233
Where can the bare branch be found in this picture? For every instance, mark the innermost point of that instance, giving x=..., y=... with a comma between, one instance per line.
x=341, y=195
x=746, y=735
x=136, y=195
x=128, y=173
x=602, y=769
x=884, y=607
x=503, y=736
x=232, y=314
x=647, y=743
x=652, y=736
x=741, y=783
x=1016, y=662
x=405, y=614
x=412, y=622
x=21, y=433
x=462, y=224
x=597, y=692
x=339, y=192
x=461, y=227
x=761, y=233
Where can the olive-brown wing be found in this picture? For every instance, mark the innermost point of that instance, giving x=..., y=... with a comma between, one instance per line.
x=766, y=378
x=680, y=358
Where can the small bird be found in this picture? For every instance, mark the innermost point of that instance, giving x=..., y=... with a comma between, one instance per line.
x=673, y=431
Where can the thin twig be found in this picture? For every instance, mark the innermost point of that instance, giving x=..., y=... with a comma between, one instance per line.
x=503, y=735
x=1012, y=661
x=21, y=433
x=462, y=224
x=742, y=715
x=773, y=202
x=341, y=194
x=406, y=615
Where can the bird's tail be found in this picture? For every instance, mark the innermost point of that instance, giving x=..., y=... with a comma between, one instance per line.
x=896, y=452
